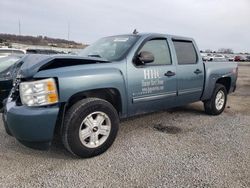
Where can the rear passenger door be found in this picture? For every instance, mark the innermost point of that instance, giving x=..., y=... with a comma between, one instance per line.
x=190, y=72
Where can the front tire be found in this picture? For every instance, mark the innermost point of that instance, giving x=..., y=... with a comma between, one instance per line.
x=216, y=104
x=90, y=127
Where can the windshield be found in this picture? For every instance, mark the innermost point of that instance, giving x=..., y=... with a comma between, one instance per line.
x=110, y=48
x=7, y=62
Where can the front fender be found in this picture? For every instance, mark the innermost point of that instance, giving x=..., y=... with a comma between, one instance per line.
x=76, y=81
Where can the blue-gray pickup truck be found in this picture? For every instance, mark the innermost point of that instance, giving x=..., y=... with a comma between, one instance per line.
x=84, y=97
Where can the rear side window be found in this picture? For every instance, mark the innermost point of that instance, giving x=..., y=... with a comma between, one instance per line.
x=185, y=52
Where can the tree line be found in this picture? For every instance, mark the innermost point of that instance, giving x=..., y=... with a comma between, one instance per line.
x=39, y=40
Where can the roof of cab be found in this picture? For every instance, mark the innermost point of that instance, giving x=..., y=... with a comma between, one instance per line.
x=166, y=35
x=174, y=37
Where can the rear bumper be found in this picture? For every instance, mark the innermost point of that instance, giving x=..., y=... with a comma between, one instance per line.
x=33, y=127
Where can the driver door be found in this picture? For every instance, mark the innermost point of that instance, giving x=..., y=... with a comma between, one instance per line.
x=152, y=86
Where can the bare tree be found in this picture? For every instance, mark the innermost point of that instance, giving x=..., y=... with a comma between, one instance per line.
x=208, y=51
x=226, y=50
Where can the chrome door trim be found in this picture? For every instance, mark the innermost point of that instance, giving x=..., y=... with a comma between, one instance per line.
x=154, y=97
x=188, y=91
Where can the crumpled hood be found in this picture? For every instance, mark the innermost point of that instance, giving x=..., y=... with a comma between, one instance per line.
x=33, y=63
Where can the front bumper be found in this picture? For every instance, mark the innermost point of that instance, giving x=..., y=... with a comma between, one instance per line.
x=32, y=126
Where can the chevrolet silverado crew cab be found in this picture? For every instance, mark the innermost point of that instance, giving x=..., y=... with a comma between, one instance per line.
x=84, y=97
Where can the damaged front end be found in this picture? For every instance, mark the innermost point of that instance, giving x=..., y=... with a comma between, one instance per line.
x=32, y=108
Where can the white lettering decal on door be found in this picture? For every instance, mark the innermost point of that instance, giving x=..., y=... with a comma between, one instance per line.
x=152, y=82
x=151, y=74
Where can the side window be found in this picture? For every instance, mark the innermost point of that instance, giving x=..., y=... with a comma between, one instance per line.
x=185, y=51
x=160, y=49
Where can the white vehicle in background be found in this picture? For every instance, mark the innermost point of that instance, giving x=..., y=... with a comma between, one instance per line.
x=218, y=56
x=231, y=59
x=207, y=57
x=4, y=52
x=214, y=57
x=204, y=57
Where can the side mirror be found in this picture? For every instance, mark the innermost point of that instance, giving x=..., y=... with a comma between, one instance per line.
x=145, y=57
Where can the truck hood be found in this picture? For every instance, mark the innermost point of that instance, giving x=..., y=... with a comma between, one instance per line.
x=31, y=64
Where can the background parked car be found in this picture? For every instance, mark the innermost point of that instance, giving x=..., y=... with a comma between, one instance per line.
x=7, y=65
x=218, y=57
x=10, y=51
x=239, y=58
x=207, y=56
x=231, y=58
x=248, y=58
x=43, y=51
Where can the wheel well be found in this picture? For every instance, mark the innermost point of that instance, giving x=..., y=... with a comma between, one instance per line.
x=226, y=82
x=109, y=94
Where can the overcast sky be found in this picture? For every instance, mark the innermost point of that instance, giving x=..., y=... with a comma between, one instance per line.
x=213, y=23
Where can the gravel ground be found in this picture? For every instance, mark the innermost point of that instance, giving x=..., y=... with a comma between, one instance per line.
x=180, y=147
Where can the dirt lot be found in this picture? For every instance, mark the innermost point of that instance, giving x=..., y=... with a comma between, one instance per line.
x=181, y=147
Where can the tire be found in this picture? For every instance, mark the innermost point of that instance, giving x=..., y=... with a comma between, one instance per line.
x=82, y=119
x=5, y=126
x=210, y=105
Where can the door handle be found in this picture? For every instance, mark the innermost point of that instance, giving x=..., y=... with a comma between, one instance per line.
x=197, y=71
x=169, y=73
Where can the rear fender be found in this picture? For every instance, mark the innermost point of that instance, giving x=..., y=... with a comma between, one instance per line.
x=210, y=85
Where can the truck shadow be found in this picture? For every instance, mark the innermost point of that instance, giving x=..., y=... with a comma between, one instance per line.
x=167, y=129
x=194, y=108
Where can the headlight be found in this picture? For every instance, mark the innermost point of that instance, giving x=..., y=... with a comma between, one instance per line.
x=38, y=93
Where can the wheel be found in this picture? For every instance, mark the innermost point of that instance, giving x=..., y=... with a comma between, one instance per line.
x=90, y=127
x=217, y=103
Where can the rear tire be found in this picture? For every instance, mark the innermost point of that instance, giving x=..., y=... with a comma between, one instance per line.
x=90, y=127
x=216, y=104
